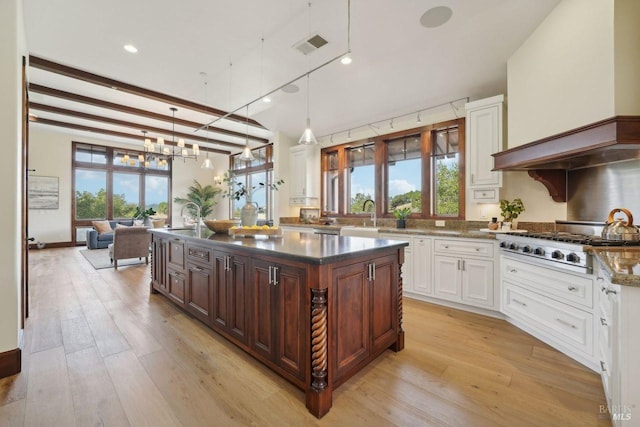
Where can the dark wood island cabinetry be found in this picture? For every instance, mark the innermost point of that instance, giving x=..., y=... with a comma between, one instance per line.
x=314, y=308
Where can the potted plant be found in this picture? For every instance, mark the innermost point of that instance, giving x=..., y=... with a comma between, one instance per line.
x=143, y=216
x=510, y=211
x=401, y=215
x=237, y=190
x=203, y=196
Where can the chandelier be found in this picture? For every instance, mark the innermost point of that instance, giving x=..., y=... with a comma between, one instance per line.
x=175, y=150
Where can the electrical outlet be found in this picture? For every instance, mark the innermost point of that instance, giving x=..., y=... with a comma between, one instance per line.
x=439, y=223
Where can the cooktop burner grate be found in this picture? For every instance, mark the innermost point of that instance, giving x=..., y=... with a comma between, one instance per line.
x=582, y=239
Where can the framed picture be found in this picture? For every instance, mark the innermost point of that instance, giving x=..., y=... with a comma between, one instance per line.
x=309, y=215
x=43, y=192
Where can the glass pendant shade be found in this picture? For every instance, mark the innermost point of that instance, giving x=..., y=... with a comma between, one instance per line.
x=308, y=138
x=246, y=155
x=207, y=164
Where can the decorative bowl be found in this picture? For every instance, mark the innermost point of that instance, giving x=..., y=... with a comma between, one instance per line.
x=221, y=225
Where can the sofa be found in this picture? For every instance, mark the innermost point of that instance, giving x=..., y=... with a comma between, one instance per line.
x=101, y=241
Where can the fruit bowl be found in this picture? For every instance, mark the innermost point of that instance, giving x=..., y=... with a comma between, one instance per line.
x=221, y=225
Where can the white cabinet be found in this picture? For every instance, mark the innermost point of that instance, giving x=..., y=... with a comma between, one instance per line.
x=422, y=261
x=484, y=137
x=619, y=346
x=463, y=271
x=554, y=305
x=407, y=266
x=304, y=176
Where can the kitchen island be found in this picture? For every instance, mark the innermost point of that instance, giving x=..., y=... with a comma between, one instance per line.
x=316, y=309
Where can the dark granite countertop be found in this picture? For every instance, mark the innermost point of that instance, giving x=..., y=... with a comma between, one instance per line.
x=621, y=263
x=305, y=247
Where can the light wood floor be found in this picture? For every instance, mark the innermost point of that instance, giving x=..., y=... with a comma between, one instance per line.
x=99, y=350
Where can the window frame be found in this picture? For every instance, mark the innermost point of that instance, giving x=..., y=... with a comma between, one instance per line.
x=266, y=167
x=110, y=168
x=381, y=171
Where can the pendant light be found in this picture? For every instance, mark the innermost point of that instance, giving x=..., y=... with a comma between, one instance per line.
x=246, y=154
x=308, y=138
x=207, y=162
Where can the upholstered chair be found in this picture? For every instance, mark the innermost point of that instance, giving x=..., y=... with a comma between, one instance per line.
x=129, y=242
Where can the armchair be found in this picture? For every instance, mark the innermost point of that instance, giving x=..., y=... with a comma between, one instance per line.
x=129, y=242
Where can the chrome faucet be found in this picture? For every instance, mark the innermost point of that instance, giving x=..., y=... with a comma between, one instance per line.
x=374, y=218
x=197, y=218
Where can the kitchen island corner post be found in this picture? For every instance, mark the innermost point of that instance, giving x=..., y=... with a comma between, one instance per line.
x=399, y=344
x=318, y=394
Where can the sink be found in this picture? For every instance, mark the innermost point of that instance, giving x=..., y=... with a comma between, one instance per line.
x=359, y=231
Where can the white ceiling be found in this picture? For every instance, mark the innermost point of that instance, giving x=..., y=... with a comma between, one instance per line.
x=398, y=66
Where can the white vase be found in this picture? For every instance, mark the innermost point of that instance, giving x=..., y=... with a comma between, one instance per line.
x=506, y=226
x=249, y=214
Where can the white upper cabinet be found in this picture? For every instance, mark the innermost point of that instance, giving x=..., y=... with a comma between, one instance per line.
x=304, y=177
x=484, y=137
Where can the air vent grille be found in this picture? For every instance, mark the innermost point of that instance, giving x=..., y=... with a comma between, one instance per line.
x=310, y=44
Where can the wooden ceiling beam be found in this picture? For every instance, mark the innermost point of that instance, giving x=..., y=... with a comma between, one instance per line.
x=57, y=93
x=117, y=122
x=111, y=133
x=75, y=73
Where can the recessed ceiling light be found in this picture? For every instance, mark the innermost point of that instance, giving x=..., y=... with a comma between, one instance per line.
x=130, y=48
x=436, y=16
x=290, y=88
x=346, y=60
x=266, y=99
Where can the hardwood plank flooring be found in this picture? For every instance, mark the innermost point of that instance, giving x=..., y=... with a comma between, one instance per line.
x=100, y=350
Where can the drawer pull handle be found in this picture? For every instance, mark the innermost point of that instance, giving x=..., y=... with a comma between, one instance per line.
x=602, y=366
x=603, y=321
x=446, y=246
x=513, y=270
x=571, y=288
x=477, y=249
x=600, y=279
x=610, y=291
x=196, y=268
x=564, y=322
x=519, y=302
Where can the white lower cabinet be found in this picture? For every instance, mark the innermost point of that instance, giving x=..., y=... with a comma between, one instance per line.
x=422, y=261
x=553, y=305
x=618, y=349
x=463, y=271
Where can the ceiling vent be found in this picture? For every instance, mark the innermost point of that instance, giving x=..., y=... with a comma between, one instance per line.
x=311, y=44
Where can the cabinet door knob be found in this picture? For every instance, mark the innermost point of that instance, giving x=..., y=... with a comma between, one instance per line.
x=602, y=366
x=603, y=321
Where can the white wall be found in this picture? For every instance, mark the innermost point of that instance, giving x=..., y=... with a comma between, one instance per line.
x=627, y=57
x=12, y=48
x=50, y=155
x=184, y=174
x=562, y=77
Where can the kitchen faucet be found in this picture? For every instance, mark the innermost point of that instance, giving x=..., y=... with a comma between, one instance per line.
x=197, y=217
x=374, y=218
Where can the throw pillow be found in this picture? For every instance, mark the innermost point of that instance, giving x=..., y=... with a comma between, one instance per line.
x=122, y=226
x=102, y=226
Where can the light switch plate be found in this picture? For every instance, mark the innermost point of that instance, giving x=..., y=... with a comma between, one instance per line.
x=440, y=223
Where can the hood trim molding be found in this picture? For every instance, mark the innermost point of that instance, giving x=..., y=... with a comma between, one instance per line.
x=606, y=141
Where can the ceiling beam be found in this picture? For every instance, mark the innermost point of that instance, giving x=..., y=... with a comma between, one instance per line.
x=111, y=132
x=57, y=93
x=117, y=122
x=75, y=73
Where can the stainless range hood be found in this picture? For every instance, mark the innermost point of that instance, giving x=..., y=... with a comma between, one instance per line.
x=547, y=160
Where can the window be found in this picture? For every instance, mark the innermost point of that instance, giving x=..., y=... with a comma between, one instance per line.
x=330, y=189
x=404, y=169
x=109, y=183
x=252, y=174
x=417, y=168
x=360, y=178
x=445, y=162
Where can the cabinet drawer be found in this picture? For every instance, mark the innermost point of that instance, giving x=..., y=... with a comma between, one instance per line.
x=487, y=195
x=548, y=282
x=483, y=249
x=199, y=254
x=568, y=326
x=177, y=285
